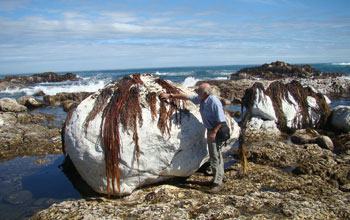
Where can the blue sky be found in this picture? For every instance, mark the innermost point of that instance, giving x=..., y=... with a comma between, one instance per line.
x=68, y=35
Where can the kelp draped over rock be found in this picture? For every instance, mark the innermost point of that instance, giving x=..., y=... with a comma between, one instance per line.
x=121, y=106
x=279, y=92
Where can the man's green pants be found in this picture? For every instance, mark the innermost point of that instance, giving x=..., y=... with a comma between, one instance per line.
x=216, y=160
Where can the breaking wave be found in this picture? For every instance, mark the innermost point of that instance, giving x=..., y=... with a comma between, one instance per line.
x=341, y=64
x=88, y=84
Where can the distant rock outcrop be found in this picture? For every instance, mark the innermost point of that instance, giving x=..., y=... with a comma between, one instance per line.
x=280, y=70
x=123, y=137
x=39, y=78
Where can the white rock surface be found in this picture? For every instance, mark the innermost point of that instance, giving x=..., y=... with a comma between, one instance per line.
x=263, y=106
x=341, y=118
x=259, y=129
x=290, y=110
x=161, y=157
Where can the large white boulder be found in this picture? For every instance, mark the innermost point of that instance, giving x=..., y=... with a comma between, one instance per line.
x=162, y=156
x=341, y=118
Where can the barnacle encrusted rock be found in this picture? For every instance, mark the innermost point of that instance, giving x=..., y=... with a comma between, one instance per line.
x=126, y=133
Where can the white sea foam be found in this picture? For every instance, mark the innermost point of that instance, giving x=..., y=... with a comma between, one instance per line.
x=221, y=78
x=54, y=88
x=341, y=64
x=174, y=73
x=190, y=81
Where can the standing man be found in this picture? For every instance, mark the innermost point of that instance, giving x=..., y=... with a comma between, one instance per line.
x=212, y=116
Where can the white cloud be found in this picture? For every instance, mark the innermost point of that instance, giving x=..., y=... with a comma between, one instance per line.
x=83, y=39
x=10, y=5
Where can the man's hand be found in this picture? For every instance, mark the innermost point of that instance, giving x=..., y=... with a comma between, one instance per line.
x=212, y=136
x=164, y=96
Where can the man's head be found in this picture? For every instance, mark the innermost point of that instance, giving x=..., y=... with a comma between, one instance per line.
x=203, y=91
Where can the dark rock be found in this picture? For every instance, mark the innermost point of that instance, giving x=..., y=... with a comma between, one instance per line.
x=39, y=78
x=280, y=70
x=11, y=105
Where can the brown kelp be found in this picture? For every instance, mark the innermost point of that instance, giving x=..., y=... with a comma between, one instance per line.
x=100, y=103
x=151, y=99
x=123, y=103
x=165, y=117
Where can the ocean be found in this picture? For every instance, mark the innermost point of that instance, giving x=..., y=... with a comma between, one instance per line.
x=187, y=76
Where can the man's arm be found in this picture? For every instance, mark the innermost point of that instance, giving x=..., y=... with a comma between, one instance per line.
x=176, y=96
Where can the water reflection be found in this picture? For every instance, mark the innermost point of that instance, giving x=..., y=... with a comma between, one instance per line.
x=30, y=184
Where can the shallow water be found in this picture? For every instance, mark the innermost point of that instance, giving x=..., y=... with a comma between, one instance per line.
x=26, y=186
x=60, y=115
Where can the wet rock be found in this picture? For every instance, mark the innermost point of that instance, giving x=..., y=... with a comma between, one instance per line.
x=40, y=78
x=325, y=142
x=30, y=102
x=11, y=105
x=280, y=70
x=24, y=134
x=177, y=151
x=340, y=119
x=19, y=198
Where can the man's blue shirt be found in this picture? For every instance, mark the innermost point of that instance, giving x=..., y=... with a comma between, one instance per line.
x=211, y=110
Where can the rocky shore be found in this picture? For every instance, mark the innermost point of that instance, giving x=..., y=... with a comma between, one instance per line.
x=304, y=174
x=275, y=187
